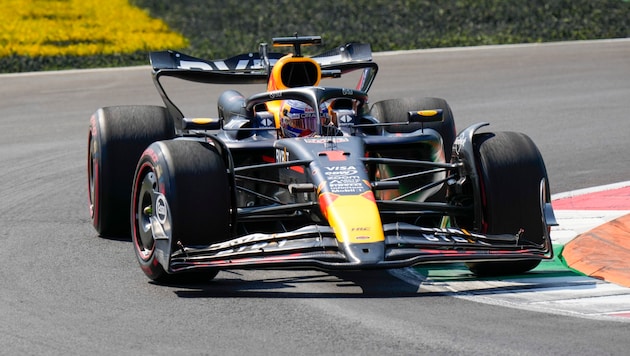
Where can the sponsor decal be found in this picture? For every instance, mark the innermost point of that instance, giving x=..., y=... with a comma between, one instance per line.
x=345, y=119
x=240, y=244
x=324, y=140
x=151, y=153
x=282, y=155
x=344, y=179
x=161, y=209
x=449, y=235
x=242, y=64
x=93, y=124
x=459, y=143
x=183, y=64
x=275, y=95
x=341, y=171
x=444, y=238
x=266, y=122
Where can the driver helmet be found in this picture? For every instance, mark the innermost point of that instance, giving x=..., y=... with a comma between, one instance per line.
x=298, y=119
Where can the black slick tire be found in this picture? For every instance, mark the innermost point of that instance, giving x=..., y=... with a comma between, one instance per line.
x=181, y=185
x=510, y=169
x=116, y=138
x=395, y=110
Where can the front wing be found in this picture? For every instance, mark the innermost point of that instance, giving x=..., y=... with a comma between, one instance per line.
x=315, y=246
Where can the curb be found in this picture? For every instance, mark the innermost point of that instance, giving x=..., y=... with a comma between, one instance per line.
x=604, y=251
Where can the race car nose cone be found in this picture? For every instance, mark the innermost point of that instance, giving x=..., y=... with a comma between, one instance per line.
x=365, y=254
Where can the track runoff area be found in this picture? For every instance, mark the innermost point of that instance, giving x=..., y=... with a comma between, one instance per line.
x=589, y=275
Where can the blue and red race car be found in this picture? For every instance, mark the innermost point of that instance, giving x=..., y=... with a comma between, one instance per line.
x=306, y=175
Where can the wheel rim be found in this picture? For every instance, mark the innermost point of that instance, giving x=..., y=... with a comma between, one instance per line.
x=92, y=171
x=144, y=212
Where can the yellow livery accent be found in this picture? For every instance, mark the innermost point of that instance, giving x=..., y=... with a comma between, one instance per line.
x=288, y=72
x=201, y=121
x=291, y=71
x=355, y=219
x=274, y=108
x=427, y=112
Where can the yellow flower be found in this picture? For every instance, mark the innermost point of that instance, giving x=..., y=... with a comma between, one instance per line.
x=80, y=28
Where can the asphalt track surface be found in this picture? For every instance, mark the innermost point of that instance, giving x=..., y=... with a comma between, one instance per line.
x=63, y=290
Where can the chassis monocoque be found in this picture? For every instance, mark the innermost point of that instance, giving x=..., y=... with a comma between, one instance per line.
x=385, y=185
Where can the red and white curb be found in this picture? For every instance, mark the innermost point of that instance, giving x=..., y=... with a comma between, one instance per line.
x=567, y=293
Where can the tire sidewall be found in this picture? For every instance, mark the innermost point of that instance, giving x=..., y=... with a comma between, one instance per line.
x=94, y=172
x=149, y=163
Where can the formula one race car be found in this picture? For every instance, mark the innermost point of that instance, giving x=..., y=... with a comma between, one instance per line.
x=310, y=176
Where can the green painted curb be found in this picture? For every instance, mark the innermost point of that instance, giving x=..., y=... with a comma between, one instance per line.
x=556, y=267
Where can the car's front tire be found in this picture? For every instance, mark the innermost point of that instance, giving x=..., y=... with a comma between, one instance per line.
x=181, y=193
x=510, y=170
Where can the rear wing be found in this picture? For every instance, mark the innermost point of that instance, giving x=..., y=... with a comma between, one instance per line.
x=241, y=69
x=255, y=68
x=251, y=68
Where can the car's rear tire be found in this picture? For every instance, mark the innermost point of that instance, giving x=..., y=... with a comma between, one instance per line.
x=510, y=169
x=395, y=110
x=183, y=186
x=116, y=139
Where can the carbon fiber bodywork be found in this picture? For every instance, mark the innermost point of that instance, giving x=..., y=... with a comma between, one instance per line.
x=293, y=240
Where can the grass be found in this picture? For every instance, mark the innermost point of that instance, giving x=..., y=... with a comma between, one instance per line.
x=221, y=28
